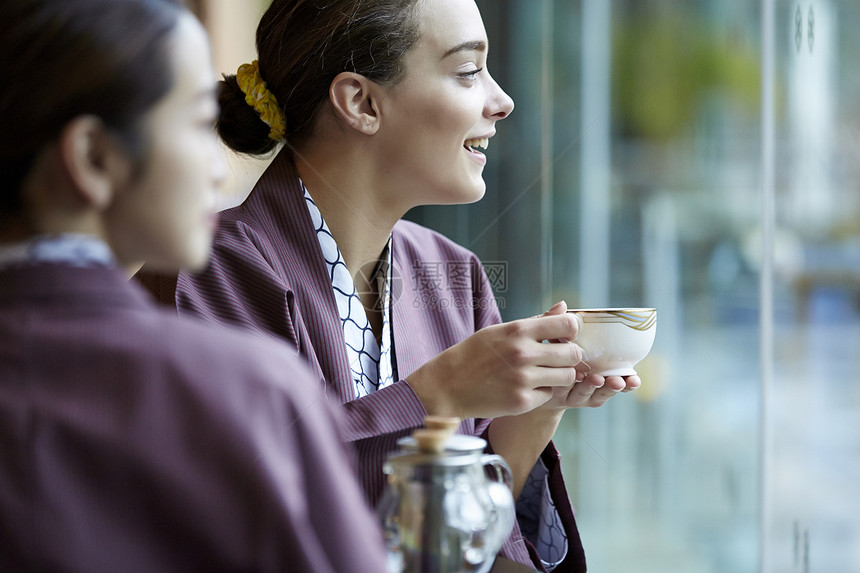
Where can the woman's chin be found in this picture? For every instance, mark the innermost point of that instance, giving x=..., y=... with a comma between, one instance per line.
x=477, y=194
x=195, y=262
x=471, y=195
x=191, y=260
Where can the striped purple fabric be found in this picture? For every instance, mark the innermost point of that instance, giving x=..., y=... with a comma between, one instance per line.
x=267, y=273
x=134, y=440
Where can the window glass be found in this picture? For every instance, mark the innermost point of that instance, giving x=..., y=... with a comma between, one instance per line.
x=630, y=174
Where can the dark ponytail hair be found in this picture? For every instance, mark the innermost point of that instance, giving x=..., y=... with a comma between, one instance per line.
x=302, y=46
x=61, y=59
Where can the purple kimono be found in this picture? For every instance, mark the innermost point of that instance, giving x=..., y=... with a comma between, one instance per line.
x=267, y=273
x=134, y=440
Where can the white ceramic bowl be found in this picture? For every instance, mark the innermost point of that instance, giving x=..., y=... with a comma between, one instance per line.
x=614, y=340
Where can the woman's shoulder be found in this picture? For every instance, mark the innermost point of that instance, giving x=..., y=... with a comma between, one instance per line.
x=275, y=200
x=244, y=232
x=228, y=352
x=272, y=216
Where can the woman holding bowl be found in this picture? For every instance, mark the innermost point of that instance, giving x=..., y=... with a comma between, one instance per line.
x=373, y=108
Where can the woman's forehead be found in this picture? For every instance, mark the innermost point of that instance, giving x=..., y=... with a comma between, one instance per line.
x=191, y=55
x=190, y=60
x=445, y=25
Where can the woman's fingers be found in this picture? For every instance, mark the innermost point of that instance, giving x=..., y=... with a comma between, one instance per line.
x=557, y=354
x=582, y=370
x=558, y=308
x=563, y=326
x=539, y=376
x=582, y=393
x=614, y=383
x=632, y=383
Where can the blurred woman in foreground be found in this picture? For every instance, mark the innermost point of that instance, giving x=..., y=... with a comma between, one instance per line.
x=133, y=440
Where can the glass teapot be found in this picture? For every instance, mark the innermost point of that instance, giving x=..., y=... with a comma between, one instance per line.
x=441, y=513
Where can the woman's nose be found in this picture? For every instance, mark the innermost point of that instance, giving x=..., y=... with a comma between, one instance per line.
x=499, y=104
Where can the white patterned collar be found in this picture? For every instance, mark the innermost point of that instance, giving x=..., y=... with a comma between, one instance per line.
x=70, y=248
x=371, y=364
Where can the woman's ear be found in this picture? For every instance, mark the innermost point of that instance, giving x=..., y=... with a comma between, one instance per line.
x=94, y=160
x=355, y=102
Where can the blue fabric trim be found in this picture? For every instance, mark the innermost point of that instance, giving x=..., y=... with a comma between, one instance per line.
x=539, y=519
x=71, y=248
x=371, y=366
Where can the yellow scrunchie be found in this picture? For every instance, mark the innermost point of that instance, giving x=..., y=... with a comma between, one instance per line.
x=258, y=96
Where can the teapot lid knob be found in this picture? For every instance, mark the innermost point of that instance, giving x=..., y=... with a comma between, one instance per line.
x=430, y=441
x=449, y=424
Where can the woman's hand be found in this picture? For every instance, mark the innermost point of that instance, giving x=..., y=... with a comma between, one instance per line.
x=521, y=439
x=504, y=369
x=591, y=390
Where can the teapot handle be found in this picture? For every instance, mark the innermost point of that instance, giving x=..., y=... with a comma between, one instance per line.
x=503, y=512
x=503, y=471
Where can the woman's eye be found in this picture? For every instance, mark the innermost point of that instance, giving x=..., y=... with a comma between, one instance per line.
x=470, y=75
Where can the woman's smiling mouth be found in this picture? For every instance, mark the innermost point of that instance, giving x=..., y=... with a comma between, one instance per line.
x=471, y=144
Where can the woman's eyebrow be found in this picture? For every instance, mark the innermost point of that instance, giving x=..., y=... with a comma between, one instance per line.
x=477, y=46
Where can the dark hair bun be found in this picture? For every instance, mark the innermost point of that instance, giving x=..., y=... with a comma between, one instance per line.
x=239, y=126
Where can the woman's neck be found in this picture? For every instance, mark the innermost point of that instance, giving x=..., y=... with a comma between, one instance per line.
x=349, y=200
